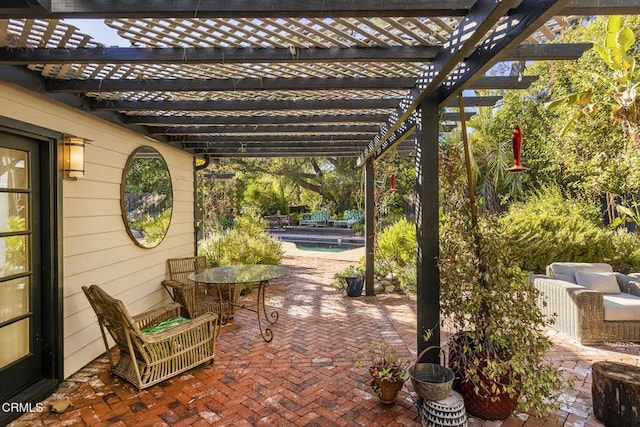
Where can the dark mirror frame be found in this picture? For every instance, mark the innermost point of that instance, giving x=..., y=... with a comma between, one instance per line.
x=152, y=200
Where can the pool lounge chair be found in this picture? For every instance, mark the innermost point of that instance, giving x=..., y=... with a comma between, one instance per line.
x=349, y=217
x=315, y=219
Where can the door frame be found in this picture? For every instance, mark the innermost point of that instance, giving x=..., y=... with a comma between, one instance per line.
x=51, y=176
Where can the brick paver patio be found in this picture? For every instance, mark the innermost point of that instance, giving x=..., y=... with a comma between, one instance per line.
x=306, y=376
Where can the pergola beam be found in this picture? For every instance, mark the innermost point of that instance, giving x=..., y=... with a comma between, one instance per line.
x=240, y=154
x=283, y=145
x=338, y=119
x=270, y=138
x=255, y=120
x=250, y=84
x=212, y=85
x=232, y=55
x=477, y=101
x=472, y=28
x=214, y=55
x=521, y=22
x=349, y=104
x=528, y=16
x=191, y=130
x=547, y=52
x=285, y=150
x=241, y=9
x=503, y=82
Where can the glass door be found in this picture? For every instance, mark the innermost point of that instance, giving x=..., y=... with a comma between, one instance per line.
x=20, y=299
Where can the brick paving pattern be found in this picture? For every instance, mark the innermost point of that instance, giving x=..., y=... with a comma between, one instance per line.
x=307, y=376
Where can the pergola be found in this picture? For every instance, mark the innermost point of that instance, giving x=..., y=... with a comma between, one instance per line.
x=309, y=78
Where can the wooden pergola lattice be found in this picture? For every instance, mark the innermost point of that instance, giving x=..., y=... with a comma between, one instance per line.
x=197, y=73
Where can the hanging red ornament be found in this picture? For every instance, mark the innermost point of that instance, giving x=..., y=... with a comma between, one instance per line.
x=516, y=142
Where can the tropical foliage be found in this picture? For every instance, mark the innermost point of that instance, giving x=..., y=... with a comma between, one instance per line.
x=621, y=96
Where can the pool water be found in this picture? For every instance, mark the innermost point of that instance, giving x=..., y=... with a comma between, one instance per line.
x=324, y=247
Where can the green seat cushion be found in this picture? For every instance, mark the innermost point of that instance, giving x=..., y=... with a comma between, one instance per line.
x=353, y=214
x=164, y=325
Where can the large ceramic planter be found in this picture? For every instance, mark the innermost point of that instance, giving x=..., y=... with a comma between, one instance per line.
x=354, y=286
x=484, y=404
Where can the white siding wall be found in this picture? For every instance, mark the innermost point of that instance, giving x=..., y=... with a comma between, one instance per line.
x=96, y=246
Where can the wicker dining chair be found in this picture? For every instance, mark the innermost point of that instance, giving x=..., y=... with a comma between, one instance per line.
x=205, y=296
x=149, y=356
x=192, y=305
x=180, y=268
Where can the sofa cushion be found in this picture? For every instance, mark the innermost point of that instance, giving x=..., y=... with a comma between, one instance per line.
x=567, y=270
x=621, y=307
x=596, y=281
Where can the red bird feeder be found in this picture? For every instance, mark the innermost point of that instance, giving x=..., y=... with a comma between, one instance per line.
x=516, y=141
x=393, y=181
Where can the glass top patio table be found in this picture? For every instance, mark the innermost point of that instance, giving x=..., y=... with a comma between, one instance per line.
x=234, y=276
x=237, y=274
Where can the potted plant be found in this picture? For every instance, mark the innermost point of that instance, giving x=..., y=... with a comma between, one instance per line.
x=351, y=279
x=499, y=351
x=388, y=371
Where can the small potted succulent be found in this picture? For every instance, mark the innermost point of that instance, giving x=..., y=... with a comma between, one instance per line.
x=388, y=371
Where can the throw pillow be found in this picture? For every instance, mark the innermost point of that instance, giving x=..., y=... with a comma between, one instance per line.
x=601, y=282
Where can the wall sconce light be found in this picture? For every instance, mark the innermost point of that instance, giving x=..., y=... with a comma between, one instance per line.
x=74, y=156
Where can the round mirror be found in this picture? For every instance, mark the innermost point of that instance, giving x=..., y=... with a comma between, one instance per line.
x=146, y=197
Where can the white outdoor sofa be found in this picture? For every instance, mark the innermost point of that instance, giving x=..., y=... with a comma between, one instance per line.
x=590, y=302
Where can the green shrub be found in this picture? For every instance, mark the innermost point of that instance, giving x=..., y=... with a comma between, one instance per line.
x=251, y=223
x=539, y=240
x=396, y=251
x=247, y=243
x=549, y=227
x=358, y=227
x=397, y=243
x=626, y=251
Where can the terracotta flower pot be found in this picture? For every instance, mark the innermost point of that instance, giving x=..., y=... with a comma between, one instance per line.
x=485, y=404
x=386, y=390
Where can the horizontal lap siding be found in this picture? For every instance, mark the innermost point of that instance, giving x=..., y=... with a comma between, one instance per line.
x=96, y=246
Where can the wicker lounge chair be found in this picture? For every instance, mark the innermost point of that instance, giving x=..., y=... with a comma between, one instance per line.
x=151, y=350
x=590, y=302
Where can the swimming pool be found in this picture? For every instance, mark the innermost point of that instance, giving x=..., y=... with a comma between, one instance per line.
x=325, y=246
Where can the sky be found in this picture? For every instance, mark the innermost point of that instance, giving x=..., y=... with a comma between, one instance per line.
x=97, y=29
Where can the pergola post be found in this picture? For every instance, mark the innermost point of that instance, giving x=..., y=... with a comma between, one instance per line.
x=369, y=217
x=428, y=278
